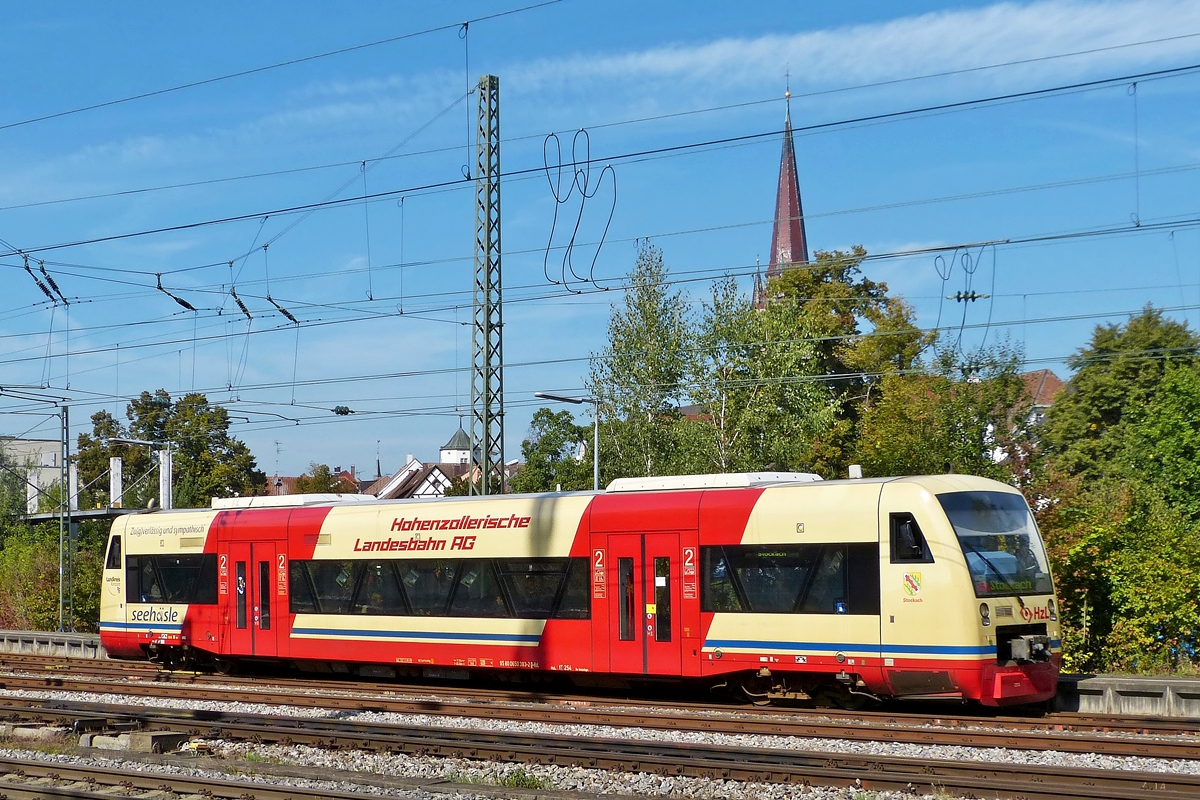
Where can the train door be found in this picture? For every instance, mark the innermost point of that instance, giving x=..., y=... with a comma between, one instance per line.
x=643, y=595
x=254, y=574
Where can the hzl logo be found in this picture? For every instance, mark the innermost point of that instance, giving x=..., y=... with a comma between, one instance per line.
x=912, y=583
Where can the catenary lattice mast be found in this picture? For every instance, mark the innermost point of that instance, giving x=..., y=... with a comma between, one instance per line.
x=487, y=366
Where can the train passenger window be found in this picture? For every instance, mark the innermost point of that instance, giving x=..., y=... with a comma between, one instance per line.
x=380, y=592
x=827, y=589
x=206, y=580
x=241, y=594
x=719, y=592
x=532, y=584
x=771, y=578
x=171, y=579
x=302, y=601
x=427, y=584
x=908, y=543
x=791, y=579
x=662, y=599
x=625, y=590
x=864, y=578
x=264, y=595
x=141, y=580
x=333, y=583
x=178, y=576
x=575, y=598
x=479, y=593
x=114, y=554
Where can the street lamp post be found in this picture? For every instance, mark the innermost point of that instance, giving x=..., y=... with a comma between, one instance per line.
x=166, y=493
x=559, y=398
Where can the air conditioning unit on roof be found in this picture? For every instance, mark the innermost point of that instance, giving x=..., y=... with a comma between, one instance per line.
x=728, y=480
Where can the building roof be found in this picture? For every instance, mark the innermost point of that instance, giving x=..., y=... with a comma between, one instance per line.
x=789, y=242
x=459, y=441
x=1041, y=385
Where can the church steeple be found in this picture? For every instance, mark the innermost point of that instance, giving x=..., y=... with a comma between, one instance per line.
x=789, y=243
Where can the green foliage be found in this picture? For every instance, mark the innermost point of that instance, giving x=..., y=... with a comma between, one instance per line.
x=1122, y=368
x=320, y=480
x=928, y=421
x=1127, y=566
x=208, y=461
x=1164, y=439
x=639, y=377
x=550, y=454
x=754, y=408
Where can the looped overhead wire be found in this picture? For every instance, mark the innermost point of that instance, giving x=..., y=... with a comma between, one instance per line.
x=580, y=182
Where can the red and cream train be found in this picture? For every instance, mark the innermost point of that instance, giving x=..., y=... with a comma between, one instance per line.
x=781, y=584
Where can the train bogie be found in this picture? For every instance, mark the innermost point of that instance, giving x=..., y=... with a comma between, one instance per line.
x=780, y=585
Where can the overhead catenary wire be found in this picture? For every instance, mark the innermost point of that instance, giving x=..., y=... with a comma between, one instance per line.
x=333, y=202
x=266, y=68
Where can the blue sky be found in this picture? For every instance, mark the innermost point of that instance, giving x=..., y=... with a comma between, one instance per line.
x=1061, y=164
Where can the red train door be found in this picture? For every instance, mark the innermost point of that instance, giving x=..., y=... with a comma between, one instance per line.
x=643, y=592
x=254, y=609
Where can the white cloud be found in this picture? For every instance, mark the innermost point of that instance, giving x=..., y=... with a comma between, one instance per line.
x=926, y=44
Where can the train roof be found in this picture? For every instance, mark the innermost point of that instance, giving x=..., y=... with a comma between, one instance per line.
x=936, y=484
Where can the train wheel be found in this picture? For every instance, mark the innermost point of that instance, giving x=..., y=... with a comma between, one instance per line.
x=223, y=666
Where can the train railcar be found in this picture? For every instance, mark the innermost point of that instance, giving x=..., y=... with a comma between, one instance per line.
x=778, y=585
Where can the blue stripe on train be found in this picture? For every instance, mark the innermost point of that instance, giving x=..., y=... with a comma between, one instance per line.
x=157, y=626
x=906, y=649
x=490, y=637
x=966, y=650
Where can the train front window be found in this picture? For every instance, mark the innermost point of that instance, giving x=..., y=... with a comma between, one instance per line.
x=1000, y=542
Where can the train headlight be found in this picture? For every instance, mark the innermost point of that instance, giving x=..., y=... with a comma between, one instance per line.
x=986, y=614
x=1051, y=609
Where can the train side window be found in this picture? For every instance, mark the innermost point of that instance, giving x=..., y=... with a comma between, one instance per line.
x=141, y=580
x=114, y=553
x=264, y=595
x=427, y=585
x=205, y=591
x=532, y=584
x=864, y=578
x=380, y=592
x=908, y=543
x=772, y=579
x=718, y=590
x=334, y=583
x=827, y=588
x=575, y=597
x=302, y=600
x=479, y=593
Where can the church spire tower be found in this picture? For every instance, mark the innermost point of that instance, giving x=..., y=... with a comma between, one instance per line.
x=789, y=243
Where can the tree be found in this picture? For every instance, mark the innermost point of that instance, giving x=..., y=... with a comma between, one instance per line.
x=1127, y=569
x=321, y=480
x=747, y=378
x=552, y=454
x=925, y=422
x=208, y=461
x=859, y=334
x=1122, y=368
x=639, y=376
x=1164, y=439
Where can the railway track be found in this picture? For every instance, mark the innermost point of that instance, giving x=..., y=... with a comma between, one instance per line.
x=965, y=778
x=1021, y=734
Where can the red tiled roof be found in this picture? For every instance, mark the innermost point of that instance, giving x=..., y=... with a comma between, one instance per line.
x=1041, y=385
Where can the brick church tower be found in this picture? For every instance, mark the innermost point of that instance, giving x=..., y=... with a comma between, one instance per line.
x=789, y=244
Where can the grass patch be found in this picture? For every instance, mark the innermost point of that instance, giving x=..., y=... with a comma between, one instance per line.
x=517, y=779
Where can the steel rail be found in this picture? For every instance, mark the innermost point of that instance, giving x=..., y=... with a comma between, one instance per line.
x=141, y=671
x=969, y=778
x=773, y=725
x=33, y=779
